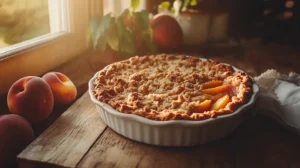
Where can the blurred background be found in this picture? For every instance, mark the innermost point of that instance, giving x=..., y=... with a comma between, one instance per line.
x=270, y=20
x=22, y=20
x=265, y=20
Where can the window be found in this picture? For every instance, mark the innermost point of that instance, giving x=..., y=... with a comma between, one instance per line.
x=26, y=23
x=23, y=20
x=39, y=53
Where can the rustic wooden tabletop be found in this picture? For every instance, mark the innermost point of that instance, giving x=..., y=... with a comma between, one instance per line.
x=75, y=136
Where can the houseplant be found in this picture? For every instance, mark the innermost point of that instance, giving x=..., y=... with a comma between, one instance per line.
x=125, y=35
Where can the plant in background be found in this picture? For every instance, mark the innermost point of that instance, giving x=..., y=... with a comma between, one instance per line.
x=129, y=34
x=178, y=6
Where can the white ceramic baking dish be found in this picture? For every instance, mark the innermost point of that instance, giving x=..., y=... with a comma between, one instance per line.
x=175, y=132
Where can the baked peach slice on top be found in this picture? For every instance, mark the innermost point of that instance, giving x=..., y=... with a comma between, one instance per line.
x=220, y=103
x=216, y=90
x=214, y=87
x=207, y=105
x=203, y=106
x=211, y=84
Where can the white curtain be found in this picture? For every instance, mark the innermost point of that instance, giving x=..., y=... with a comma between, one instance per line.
x=118, y=6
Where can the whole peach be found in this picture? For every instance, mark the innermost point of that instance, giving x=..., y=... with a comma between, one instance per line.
x=167, y=32
x=30, y=97
x=63, y=89
x=16, y=133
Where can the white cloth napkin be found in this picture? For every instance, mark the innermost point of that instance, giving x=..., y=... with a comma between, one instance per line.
x=280, y=96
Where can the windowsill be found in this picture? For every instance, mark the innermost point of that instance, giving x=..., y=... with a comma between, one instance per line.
x=14, y=50
x=35, y=62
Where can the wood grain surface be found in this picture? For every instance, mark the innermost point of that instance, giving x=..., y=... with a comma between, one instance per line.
x=69, y=138
x=78, y=138
x=113, y=150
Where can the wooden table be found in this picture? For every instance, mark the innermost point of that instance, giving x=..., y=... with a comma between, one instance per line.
x=78, y=138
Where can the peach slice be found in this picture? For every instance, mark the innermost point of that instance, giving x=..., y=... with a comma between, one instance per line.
x=203, y=106
x=215, y=90
x=211, y=84
x=220, y=103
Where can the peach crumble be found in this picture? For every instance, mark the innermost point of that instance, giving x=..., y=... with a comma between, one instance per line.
x=172, y=87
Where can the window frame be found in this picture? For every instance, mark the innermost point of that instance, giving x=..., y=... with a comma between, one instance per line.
x=59, y=48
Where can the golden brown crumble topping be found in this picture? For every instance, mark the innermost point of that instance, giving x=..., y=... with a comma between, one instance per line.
x=169, y=87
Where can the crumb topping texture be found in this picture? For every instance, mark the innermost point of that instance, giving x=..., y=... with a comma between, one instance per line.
x=172, y=87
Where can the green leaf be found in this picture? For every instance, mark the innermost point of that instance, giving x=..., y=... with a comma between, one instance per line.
x=126, y=38
x=172, y=10
x=103, y=42
x=112, y=36
x=135, y=4
x=177, y=6
x=88, y=37
x=165, y=5
x=127, y=44
x=148, y=38
x=193, y=3
x=98, y=26
x=94, y=23
x=185, y=5
x=142, y=19
x=143, y=25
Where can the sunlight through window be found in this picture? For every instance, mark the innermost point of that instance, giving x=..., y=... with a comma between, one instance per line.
x=26, y=23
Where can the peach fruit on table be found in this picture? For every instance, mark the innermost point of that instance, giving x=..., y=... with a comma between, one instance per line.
x=30, y=97
x=63, y=89
x=16, y=133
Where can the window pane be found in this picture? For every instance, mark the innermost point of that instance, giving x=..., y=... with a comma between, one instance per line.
x=22, y=20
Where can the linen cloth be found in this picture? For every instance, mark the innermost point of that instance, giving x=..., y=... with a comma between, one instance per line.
x=280, y=97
